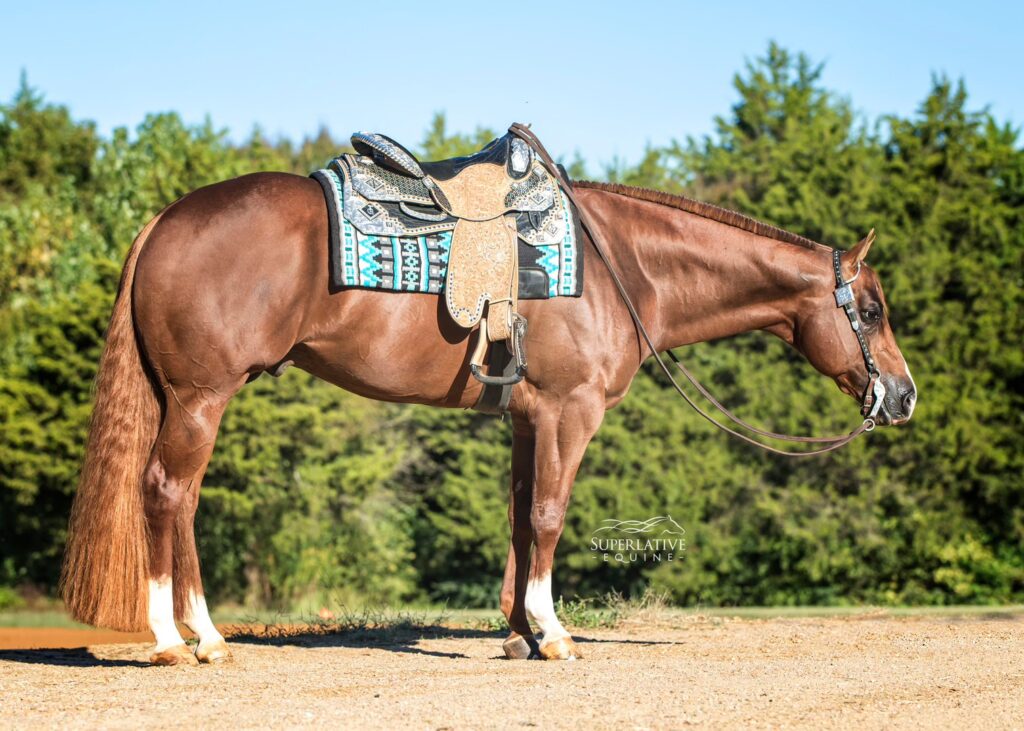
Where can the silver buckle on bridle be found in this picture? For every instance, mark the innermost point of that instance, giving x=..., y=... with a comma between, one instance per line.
x=844, y=289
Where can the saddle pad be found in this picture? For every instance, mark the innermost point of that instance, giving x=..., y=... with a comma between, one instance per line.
x=420, y=263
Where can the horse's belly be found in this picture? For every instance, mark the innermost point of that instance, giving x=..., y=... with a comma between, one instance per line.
x=391, y=347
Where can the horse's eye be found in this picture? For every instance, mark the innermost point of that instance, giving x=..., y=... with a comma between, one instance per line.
x=871, y=314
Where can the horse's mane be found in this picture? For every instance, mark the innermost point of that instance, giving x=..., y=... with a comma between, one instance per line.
x=705, y=210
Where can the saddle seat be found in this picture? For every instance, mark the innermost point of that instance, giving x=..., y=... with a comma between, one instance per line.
x=387, y=192
x=389, y=153
x=508, y=151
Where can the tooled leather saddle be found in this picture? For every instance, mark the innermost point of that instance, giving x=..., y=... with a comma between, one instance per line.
x=487, y=200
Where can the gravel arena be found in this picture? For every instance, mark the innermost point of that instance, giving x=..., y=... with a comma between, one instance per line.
x=864, y=671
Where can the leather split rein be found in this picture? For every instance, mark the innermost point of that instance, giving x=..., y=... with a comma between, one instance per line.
x=874, y=393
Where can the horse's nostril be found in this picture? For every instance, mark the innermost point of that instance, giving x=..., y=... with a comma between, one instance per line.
x=908, y=402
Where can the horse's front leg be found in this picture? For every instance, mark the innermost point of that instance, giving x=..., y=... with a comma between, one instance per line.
x=520, y=644
x=562, y=434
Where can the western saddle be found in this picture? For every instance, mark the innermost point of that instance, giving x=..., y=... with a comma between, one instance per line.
x=486, y=200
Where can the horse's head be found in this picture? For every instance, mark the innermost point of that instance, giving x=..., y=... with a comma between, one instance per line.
x=826, y=333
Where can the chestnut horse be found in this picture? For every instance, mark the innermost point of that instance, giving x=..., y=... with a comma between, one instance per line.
x=232, y=280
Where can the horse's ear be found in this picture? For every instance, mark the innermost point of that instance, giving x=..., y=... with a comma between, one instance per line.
x=859, y=252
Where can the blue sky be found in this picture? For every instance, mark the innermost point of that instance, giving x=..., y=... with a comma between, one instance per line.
x=619, y=75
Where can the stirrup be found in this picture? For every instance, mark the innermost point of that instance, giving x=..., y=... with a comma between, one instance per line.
x=518, y=354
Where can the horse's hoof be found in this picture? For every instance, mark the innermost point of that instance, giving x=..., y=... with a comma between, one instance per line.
x=561, y=649
x=517, y=647
x=177, y=655
x=215, y=652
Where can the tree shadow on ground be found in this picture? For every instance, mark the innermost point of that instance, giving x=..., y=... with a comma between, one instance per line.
x=394, y=639
x=404, y=639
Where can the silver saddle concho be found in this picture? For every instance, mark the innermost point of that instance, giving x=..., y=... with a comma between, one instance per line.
x=487, y=200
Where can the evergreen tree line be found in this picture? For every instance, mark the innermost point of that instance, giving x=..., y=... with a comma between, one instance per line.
x=313, y=491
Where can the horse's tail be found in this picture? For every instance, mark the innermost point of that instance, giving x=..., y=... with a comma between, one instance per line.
x=105, y=573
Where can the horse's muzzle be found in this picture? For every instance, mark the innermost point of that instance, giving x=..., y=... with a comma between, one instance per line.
x=899, y=402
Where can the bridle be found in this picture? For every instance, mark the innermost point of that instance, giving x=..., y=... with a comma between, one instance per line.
x=874, y=393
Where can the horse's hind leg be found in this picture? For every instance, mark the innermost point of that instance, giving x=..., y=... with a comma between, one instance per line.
x=189, y=599
x=171, y=492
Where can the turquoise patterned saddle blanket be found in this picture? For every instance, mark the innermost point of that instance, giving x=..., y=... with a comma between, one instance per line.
x=363, y=255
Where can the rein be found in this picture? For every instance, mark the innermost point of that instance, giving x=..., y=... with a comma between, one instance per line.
x=874, y=393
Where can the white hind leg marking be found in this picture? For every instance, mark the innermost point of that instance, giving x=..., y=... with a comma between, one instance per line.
x=212, y=647
x=161, y=615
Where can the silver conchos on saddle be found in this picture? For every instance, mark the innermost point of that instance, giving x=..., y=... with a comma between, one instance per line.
x=520, y=156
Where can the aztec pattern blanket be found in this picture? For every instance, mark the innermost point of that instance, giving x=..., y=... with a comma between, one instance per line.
x=359, y=259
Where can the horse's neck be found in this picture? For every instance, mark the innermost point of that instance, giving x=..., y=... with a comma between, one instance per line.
x=703, y=279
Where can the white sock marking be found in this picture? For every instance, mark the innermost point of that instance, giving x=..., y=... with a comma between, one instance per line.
x=161, y=614
x=541, y=609
x=198, y=620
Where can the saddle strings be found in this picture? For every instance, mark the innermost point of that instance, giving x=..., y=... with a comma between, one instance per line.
x=833, y=442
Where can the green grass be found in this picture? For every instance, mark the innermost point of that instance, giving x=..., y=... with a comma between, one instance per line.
x=579, y=614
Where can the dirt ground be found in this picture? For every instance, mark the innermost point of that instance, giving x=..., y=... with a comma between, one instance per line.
x=865, y=672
